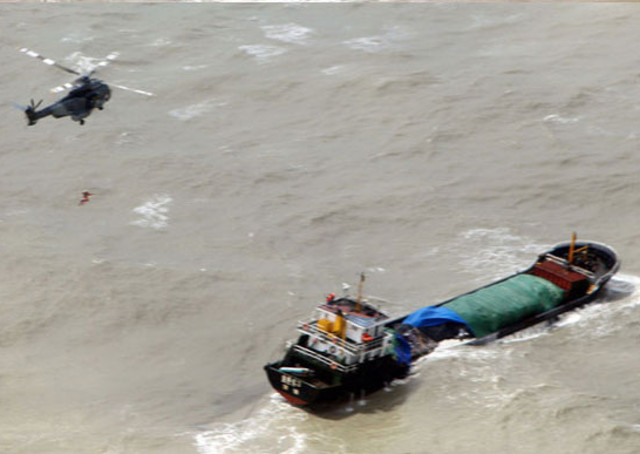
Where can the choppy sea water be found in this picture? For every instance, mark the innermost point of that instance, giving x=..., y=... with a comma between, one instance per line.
x=288, y=148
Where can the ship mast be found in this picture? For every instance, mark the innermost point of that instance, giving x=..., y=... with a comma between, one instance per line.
x=359, y=297
x=572, y=247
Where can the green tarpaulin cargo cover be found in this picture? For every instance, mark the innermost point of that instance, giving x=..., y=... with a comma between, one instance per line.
x=491, y=308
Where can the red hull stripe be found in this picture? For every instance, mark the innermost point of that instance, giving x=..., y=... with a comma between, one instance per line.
x=294, y=400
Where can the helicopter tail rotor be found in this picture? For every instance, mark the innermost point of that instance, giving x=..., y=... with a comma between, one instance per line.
x=30, y=112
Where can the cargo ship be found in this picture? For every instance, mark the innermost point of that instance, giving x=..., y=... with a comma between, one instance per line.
x=351, y=348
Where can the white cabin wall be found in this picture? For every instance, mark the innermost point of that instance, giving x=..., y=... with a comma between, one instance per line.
x=354, y=332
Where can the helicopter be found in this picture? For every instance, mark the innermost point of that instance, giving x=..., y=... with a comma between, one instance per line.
x=85, y=93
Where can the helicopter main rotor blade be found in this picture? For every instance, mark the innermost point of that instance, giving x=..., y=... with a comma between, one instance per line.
x=102, y=63
x=140, y=92
x=48, y=61
x=63, y=87
x=94, y=67
x=109, y=58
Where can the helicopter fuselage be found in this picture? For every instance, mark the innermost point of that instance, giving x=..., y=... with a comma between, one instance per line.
x=88, y=95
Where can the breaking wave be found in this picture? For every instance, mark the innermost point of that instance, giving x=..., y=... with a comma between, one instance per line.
x=276, y=428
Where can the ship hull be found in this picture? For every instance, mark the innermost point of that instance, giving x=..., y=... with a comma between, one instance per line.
x=334, y=386
x=578, y=271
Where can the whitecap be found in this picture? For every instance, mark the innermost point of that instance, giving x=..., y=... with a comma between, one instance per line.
x=160, y=42
x=557, y=119
x=261, y=51
x=189, y=112
x=496, y=249
x=367, y=44
x=75, y=38
x=194, y=67
x=288, y=33
x=375, y=43
x=333, y=70
x=154, y=213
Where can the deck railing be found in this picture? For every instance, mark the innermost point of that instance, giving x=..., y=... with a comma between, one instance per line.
x=565, y=263
x=350, y=347
x=323, y=359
